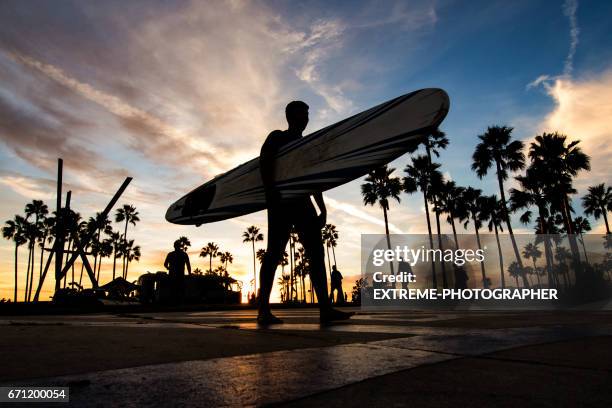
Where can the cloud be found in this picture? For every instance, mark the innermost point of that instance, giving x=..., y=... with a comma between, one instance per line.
x=360, y=214
x=25, y=187
x=569, y=9
x=583, y=109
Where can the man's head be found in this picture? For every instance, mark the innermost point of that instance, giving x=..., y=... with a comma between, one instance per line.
x=177, y=244
x=296, y=113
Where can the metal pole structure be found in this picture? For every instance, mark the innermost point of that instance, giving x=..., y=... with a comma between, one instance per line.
x=79, y=250
x=59, y=227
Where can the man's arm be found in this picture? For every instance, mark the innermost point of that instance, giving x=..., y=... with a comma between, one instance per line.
x=266, y=167
x=321, y=204
x=167, y=262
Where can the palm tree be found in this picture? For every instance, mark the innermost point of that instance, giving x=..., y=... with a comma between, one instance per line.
x=253, y=235
x=419, y=176
x=128, y=214
x=497, y=149
x=492, y=211
x=329, y=236
x=211, y=250
x=116, y=242
x=184, y=242
x=472, y=200
x=379, y=186
x=598, y=202
x=558, y=163
x=451, y=206
x=15, y=230
x=562, y=255
x=260, y=255
x=225, y=258
x=132, y=253
x=531, y=251
x=515, y=271
x=99, y=224
x=39, y=210
x=533, y=192
x=582, y=225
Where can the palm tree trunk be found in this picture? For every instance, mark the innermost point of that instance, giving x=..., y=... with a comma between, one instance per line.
x=254, y=271
x=25, y=294
x=434, y=280
x=586, y=257
x=388, y=238
x=516, y=278
x=334, y=254
x=535, y=270
x=454, y=231
x=114, y=261
x=605, y=216
x=502, y=194
x=482, y=268
x=501, y=259
x=569, y=227
x=444, y=281
x=16, y=262
x=329, y=260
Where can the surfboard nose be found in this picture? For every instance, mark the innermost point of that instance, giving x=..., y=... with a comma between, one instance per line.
x=191, y=205
x=441, y=95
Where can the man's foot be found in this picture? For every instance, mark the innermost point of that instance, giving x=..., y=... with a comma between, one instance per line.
x=332, y=314
x=266, y=319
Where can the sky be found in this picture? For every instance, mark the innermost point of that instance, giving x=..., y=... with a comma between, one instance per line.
x=173, y=93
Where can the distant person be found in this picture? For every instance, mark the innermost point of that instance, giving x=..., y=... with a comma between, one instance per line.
x=284, y=214
x=336, y=285
x=175, y=264
x=461, y=278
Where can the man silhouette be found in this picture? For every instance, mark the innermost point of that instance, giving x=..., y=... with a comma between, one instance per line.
x=299, y=213
x=336, y=285
x=175, y=263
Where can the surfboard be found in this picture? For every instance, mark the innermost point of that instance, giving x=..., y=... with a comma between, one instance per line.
x=325, y=159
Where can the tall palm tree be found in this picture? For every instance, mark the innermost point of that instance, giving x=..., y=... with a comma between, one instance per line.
x=533, y=192
x=105, y=250
x=598, y=202
x=100, y=225
x=472, y=200
x=436, y=189
x=421, y=175
x=129, y=215
x=116, y=241
x=558, y=163
x=492, y=211
x=211, y=250
x=39, y=210
x=379, y=187
x=226, y=257
x=329, y=236
x=531, y=251
x=450, y=205
x=497, y=149
x=253, y=235
x=15, y=230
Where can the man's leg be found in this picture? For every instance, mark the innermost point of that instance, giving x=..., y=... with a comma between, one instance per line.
x=278, y=236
